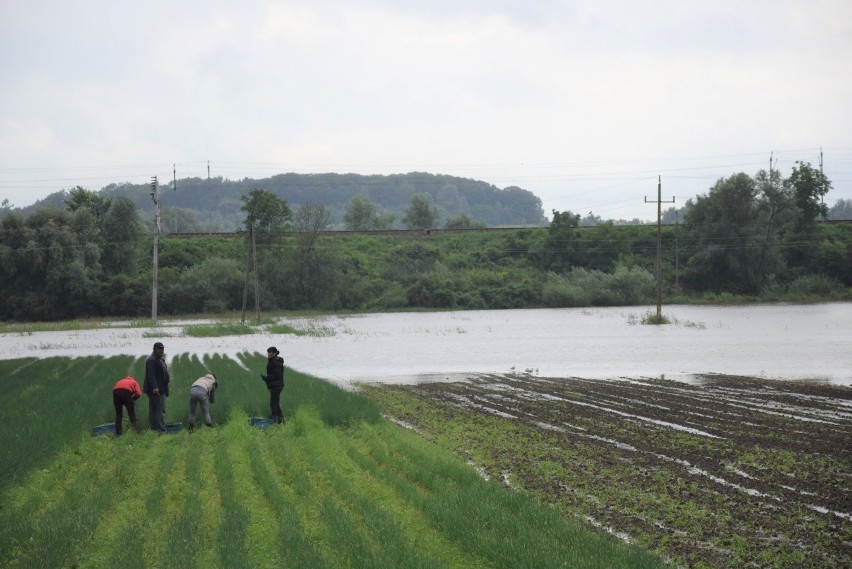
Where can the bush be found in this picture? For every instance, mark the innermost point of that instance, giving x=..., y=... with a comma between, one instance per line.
x=582, y=287
x=392, y=296
x=633, y=285
x=814, y=285
x=214, y=284
x=559, y=291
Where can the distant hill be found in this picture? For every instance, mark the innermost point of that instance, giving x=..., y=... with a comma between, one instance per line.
x=215, y=202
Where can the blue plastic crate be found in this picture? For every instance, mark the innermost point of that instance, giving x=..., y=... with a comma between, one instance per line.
x=105, y=429
x=109, y=428
x=261, y=422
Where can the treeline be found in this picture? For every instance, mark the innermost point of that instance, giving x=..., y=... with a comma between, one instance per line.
x=213, y=204
x=754, y=238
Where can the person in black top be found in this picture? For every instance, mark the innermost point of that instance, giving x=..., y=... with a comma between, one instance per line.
x=274, y=378
x=156, y=387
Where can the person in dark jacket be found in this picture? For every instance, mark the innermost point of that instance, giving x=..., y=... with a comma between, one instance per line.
x=274, y=378
x=125, y=392
x=156, y=387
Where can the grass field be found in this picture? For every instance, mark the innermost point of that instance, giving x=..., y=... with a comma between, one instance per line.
x=336, y=486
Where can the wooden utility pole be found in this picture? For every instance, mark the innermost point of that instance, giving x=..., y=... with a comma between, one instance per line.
x=677, y=254
x=248, y=269
x=155, y=195
x=174, y=188
x=251, y=261
x=822, y=181
x=659, y=201
x=256, y=282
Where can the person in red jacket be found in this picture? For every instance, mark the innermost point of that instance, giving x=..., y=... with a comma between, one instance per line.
x=125, y=392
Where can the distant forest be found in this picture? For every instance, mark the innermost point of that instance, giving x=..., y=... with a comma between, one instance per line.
x=213, y=204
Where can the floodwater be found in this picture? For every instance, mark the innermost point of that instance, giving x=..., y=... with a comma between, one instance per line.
x=812, y=342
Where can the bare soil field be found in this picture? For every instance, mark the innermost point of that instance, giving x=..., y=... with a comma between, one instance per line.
x=724, y=472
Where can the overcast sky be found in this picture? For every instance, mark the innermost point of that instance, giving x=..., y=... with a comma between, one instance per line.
x=584, y=103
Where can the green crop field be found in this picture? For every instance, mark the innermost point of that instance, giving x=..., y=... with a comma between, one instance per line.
x=336, y=486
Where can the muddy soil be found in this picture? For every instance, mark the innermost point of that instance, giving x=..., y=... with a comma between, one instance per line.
x=724, y=472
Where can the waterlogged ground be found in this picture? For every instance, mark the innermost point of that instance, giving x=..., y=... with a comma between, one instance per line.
x=772, y=341
x=724, y=472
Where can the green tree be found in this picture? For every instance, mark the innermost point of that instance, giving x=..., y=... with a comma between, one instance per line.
x=724, y=225
x=559, y=250
x=53, y=270
x=121, y=237
x=362, y=214
x=673, y=215
x=421, y=214
x=180, y=220
x=842, y=209
x=591, y=220
x=313, y=276
x=265, y=210
x=463, y=221
x=809, y=187
x=212, y=285
x=775, y=211
x=80, y=197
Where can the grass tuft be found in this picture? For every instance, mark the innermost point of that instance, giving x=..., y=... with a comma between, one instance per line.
x=218, y=329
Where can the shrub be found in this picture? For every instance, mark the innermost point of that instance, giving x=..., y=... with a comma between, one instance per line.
x=559, y=291
x=632, y=285
x=819, y=285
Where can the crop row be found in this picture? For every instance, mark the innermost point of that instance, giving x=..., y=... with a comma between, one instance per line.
x=733, y=472
x=336, y=486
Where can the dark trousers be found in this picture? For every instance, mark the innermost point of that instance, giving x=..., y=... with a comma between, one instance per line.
x=122, y=398
x=157, y=412
x=275, y=403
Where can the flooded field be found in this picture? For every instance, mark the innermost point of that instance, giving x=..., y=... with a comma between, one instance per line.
x=771, y=341
x=720, y=440
x=726, y=472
